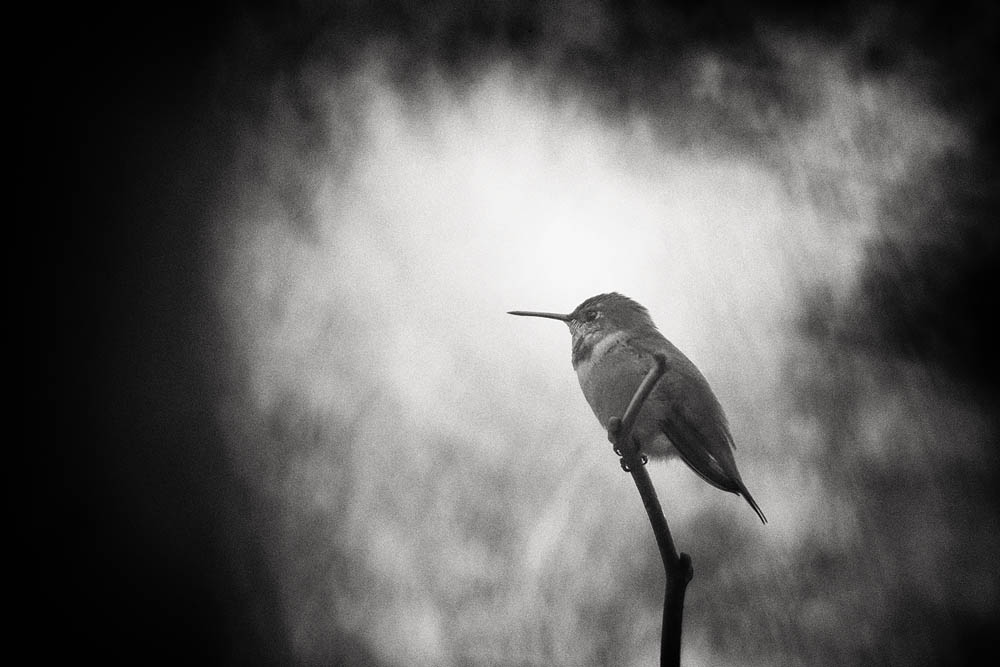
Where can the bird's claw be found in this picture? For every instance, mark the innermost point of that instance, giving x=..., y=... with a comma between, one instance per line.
x=643, y=460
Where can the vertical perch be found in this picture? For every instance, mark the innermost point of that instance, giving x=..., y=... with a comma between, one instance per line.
x=677, y=567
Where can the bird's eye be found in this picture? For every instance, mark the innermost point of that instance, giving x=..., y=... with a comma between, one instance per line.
x=590, y=316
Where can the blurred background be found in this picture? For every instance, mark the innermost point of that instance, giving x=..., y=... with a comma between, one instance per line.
x=297, y=426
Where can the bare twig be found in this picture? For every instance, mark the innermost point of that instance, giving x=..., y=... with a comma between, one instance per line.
x=677, y=567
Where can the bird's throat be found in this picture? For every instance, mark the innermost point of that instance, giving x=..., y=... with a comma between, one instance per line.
x=586, y=347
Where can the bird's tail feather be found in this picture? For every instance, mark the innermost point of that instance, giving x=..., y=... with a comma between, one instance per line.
x=708, y=467
x=753, y=503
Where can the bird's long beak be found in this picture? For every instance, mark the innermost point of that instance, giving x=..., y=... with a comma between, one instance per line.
x=529, y=313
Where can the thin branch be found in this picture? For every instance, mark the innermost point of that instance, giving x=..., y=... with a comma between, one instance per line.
x=677, y=568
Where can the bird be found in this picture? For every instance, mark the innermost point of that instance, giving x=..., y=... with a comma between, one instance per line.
x=613, y=343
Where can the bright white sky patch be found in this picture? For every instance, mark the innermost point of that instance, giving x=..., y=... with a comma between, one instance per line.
x=469, y=204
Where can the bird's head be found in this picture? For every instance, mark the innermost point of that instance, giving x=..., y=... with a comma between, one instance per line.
x=607, y=314
x=600, y=316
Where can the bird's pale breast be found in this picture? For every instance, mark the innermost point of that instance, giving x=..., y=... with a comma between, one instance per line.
x=609, y=377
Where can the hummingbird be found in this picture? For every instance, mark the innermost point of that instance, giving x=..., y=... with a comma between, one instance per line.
x=614, y=340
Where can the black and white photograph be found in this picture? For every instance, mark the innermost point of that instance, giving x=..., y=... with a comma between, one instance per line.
x=511, y=333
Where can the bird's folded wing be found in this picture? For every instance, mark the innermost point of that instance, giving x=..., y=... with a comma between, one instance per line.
x=689, y=441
